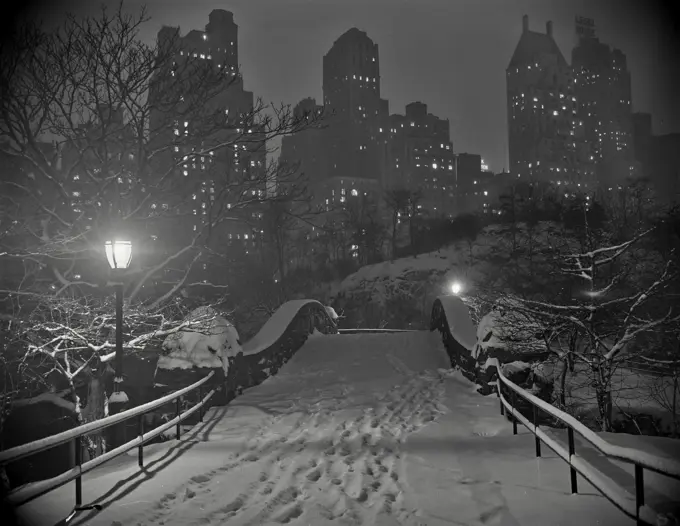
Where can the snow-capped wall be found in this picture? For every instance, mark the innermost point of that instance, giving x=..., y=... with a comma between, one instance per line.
x=276, y=325
x=460, y=323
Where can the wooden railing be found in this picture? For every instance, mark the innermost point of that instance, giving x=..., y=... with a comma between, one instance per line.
x=635, y=506
x=30, y=491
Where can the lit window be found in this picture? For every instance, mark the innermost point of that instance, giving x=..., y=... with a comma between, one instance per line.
x=354, y=192
x=186, y=172
x=205, y=37
x=76, y=177
x=76, y=194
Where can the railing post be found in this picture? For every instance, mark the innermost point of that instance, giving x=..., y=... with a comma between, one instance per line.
x=639, y=493
x=140, y=450
x=572, y=452
x=79, y=462
x=200, y=398
x=177, y=413
x=499, y=385
x=538, y=440
x=513, y=402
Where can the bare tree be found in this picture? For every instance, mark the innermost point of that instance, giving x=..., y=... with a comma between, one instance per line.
x=612, y=309
x=103, y=136
x=362, y=224
x=403, y=204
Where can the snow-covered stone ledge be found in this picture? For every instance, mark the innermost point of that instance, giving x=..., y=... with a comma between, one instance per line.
x=241, y=366
x=470, y=348
x=451, y=317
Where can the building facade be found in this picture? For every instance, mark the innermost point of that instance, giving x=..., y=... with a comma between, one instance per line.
x=355, y=146
x=215, y=178
x=546, y=139
x=603, y=91
x=420, y=158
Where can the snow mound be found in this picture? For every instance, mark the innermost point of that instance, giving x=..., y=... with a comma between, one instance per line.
x=119, y=397
x=460, y=323
x=515, y=367
x=331, y=312
x=208, y=341
x=505, y=328
x=275, y=326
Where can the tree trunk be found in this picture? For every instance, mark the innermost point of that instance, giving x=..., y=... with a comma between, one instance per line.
x=603, y=394
x=94, y=410
x=563, y=383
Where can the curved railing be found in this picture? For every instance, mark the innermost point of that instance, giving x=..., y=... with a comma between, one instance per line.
x=459, y=352
x=278, y=340
x=633, y=506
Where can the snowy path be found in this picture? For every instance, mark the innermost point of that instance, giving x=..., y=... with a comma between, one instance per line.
x=356, y=429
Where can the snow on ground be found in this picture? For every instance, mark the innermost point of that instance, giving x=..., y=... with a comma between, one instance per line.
x=362, y=429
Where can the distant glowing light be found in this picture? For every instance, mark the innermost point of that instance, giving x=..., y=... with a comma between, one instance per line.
x=456, y=288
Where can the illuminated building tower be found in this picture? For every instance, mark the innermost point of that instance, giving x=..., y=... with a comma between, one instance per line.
x=546, y=140
x=355, y=146
x=304, y=150
x=603, y=91
x=207, y=176
x=421, y=158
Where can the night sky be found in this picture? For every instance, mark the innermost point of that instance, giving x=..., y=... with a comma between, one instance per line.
x=449, y=54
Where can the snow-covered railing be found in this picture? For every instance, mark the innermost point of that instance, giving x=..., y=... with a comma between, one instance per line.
x=372, y=331
x=633, y=506
x=30, y=491
x=279, y=322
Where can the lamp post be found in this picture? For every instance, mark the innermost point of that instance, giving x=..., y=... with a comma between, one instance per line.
x=118, y=254
x=456, y=288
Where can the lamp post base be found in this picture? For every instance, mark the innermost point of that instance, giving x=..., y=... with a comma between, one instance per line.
x=118, y=402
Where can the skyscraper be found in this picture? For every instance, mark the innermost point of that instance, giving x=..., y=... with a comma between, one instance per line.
x=214, y=177
x=421, y=158
x=304, y=150
x=355, y=144
x=546, y=140
x=603, y=91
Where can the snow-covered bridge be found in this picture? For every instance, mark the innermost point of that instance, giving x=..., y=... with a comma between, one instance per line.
x=354, y=429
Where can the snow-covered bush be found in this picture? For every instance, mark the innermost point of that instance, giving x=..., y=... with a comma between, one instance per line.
x=211, y=340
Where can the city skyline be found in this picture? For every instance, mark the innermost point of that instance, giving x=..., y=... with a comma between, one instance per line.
x=282, y=48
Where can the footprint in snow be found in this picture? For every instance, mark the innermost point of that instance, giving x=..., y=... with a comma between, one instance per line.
x=313, y=476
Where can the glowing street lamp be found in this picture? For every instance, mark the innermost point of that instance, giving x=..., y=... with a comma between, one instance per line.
x=118, y=254
x=456, y=288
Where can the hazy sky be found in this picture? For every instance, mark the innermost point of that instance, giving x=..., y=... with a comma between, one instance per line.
x=449, y=54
